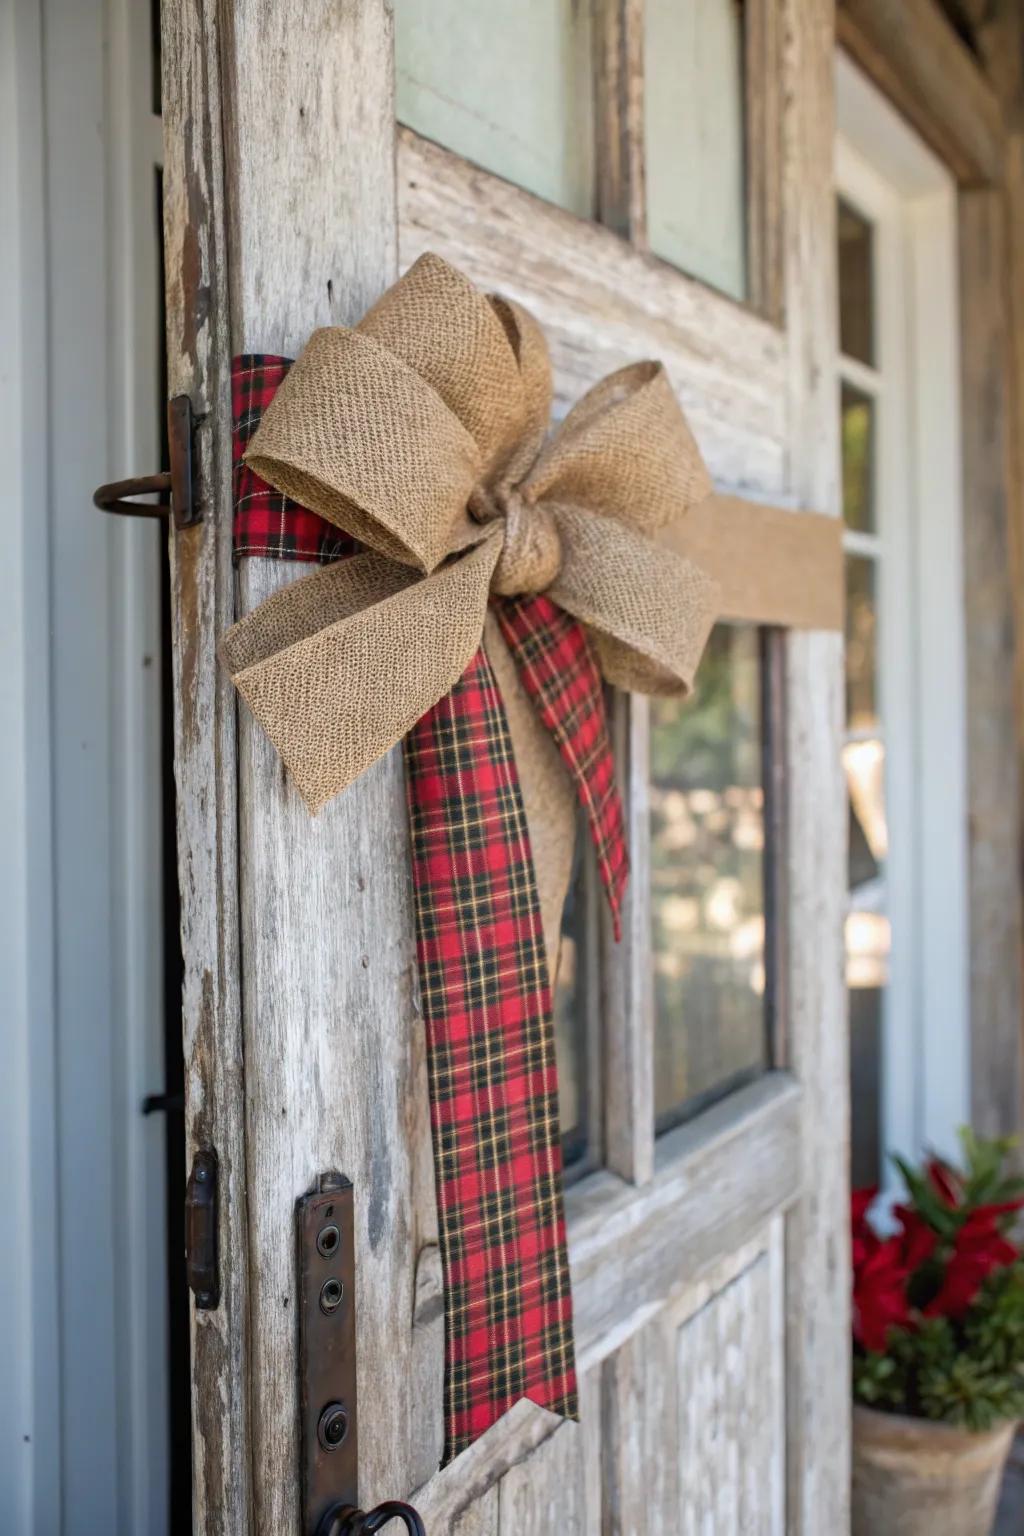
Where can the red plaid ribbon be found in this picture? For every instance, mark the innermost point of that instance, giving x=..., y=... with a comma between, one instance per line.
x=482, y=964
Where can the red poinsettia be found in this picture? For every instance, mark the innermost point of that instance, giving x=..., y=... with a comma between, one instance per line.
x=938, y=1293
x=946, y=1244
x=978, y=1248
x=880, y=1295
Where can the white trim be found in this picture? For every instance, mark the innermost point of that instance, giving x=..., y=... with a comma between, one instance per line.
x=83, y=1434
x=889, y=174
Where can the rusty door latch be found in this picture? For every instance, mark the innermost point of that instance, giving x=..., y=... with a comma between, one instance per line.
x=175, y=486
x=201, y=1230
x=327, y=1369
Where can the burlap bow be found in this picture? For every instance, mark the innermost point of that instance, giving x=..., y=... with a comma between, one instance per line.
x=421, y=432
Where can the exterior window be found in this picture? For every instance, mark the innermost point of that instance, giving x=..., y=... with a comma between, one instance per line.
x=868, y=935
x=897, y=397
x=707, y=829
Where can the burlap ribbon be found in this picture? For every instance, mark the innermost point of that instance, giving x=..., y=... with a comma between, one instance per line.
x=421, y=432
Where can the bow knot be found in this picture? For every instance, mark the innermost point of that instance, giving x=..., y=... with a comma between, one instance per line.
x=531, y=551
x=422, y=434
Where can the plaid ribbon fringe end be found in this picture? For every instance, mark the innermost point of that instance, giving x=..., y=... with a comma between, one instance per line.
x=482, y=965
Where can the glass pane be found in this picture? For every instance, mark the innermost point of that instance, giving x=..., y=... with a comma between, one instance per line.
x=694, y=129
x=858, y=440
x=570, y=1008
x=864, y=763
x=707, y=877
x=856, y=285
x=507, y=87
x=861, y=644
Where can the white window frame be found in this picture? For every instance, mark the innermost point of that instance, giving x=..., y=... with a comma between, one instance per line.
x=887, y=174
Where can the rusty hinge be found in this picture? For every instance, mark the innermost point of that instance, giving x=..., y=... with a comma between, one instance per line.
x=177, y=484
x=201, y=1230
x=327, y=1369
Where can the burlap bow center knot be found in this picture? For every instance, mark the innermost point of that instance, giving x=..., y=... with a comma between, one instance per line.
x=422, y=434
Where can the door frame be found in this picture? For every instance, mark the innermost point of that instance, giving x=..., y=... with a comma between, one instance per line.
x=82, y=898
x=914, y=57
x=885, y=170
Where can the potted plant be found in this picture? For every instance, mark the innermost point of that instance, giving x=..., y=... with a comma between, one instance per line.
x=938, y=1334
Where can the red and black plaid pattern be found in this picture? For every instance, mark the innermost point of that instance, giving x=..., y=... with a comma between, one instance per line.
x=483, y=970
x=491, y=1064
x=558, y=671
x=267, y=523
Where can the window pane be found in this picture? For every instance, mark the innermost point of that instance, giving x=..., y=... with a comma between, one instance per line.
x=861, y=644
x=856, y=286
x=707, y=876
x=507, y=87
x=572, y=1044
x=858, y=443
x=694, y=129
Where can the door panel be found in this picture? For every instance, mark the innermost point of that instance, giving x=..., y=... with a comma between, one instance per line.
x=325, y=1067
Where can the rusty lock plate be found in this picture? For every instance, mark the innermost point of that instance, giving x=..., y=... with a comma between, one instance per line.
x=201, y=1266
x=327, y=1349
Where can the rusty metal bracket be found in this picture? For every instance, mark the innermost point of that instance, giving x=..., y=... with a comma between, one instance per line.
x=201, y=1230
x=325, y=1252
x=176, y=484
x=327, y=1349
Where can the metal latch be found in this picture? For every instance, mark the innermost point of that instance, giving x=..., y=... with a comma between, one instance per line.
x=201, y=1230
x=327, y=1369
x=176, y=484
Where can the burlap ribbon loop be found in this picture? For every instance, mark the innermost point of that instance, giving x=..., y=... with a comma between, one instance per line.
x=421, y=433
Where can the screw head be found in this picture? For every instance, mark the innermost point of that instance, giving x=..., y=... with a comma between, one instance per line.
x=328, y=1240
x=332, y=1426
x=331, y=1295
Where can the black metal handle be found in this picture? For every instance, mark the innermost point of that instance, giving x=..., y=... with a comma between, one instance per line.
x=343, y=1520
x=175, y=483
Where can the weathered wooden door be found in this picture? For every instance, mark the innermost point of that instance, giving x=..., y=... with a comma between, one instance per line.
x=706, y=1235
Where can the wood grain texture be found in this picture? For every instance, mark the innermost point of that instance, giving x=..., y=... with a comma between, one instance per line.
x=630, y=1250
x=333, y=1067
x=603, y=305
x=916, y=59
x=993, y=731
x=619, y=118
x=204, y=749
x=729, y=1448
x=548, y=1490
x=1000, y=38
x=817, y=1247
x=762, y=47
x=694, y=1405
x=628, y=1004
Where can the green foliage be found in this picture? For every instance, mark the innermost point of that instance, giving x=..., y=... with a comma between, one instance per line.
x=955, y=1349
x=969, y=1373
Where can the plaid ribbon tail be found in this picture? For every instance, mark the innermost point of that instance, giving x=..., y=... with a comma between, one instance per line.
x=558, y=671
x=483, y=968
x=491, y=1064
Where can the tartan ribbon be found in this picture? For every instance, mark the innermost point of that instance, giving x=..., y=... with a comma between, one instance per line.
x=314, y=483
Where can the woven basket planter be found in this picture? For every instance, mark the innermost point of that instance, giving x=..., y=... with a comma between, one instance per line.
x=912, y=1477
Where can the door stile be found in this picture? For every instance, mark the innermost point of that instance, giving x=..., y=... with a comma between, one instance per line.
x=817, y=1235
x=335, y=1074
x=205, y=749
